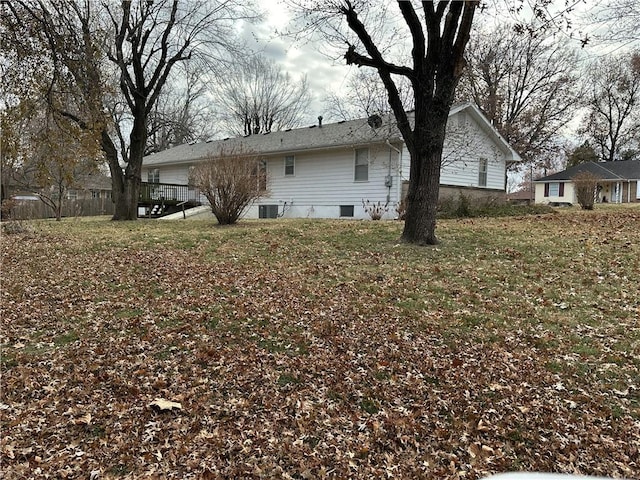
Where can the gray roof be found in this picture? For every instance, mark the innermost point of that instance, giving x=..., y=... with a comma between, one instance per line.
x=332, y=135
x=627, y=170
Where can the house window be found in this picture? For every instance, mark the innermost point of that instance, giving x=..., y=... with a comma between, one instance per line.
x=95, y=193
x=153, y=176
x=346, y=210
x=362, y=165
x=554, y=189
x=289, y=165
x=482, y=173
x=72, y=195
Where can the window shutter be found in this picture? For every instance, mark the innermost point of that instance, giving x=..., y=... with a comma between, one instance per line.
x=561, y=189
x=546, y=189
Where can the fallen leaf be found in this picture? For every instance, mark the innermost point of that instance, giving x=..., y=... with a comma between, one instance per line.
x=163, y=404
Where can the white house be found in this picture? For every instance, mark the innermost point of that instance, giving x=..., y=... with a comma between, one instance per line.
x=618, y=182
x=329, y=170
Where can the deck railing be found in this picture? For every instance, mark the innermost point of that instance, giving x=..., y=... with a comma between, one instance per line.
x=156, y=193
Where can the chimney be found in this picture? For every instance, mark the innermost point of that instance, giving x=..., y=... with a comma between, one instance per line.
x=320, y=121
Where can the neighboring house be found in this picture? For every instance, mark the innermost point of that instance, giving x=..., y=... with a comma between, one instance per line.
x=618, y=183
x=96, y=186
x=328, y=170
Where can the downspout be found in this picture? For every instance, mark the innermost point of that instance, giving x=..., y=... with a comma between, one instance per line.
x=389, y=170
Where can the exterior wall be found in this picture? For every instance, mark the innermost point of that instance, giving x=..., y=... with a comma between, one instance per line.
x=626, y=191
x=178, y=174
x=466, y=144
x=323, y=181
x=569, y=195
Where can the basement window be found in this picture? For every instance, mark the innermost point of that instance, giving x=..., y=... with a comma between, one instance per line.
x=346, y=210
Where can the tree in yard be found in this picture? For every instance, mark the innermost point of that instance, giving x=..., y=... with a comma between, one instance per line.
x=231, y=181
x=525, y=83
x=613, y=103
x=585, y=185
x=437, y=33
x=257, y=97
x=61, y=155
x=582, y=154
x=144, y=41
x=181, y=114
x=150, y=39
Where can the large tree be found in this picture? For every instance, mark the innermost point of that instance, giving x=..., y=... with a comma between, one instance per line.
x=144, y=40
x=258, y=97
x=150, y=38
x=613, y=102
x=182, y=113
x=437, y=33
x=526, y=83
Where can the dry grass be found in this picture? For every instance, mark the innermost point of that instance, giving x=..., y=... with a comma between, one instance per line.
x=310, y=349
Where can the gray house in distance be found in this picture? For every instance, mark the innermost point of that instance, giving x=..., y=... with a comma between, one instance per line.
x=619, y=183
x=328, y=170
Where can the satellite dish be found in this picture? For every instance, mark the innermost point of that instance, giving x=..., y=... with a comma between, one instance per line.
x=375, y=121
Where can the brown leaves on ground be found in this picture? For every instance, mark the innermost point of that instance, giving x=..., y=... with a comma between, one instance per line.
x=302, y=349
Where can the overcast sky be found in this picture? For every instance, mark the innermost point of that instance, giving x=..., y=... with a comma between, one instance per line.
x=326, y=75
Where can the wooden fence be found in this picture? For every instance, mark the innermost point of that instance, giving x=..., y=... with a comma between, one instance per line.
x=34, y=209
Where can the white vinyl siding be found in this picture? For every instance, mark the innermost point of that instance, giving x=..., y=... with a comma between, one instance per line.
x=324, y=182
x=460, y=160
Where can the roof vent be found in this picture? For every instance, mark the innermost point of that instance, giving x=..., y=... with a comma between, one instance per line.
x=375, y=121
x=320, y=121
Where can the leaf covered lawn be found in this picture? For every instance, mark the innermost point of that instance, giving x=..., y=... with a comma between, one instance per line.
x=321, y=349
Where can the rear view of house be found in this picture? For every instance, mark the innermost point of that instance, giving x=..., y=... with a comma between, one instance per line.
x=329, y=170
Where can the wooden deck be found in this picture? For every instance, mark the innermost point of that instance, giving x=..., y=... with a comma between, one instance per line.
x=159, y=199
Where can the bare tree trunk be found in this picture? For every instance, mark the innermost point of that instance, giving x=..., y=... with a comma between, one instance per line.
x=126, y=200
x=422, y=202
x=424, y=184
x=126, y=207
